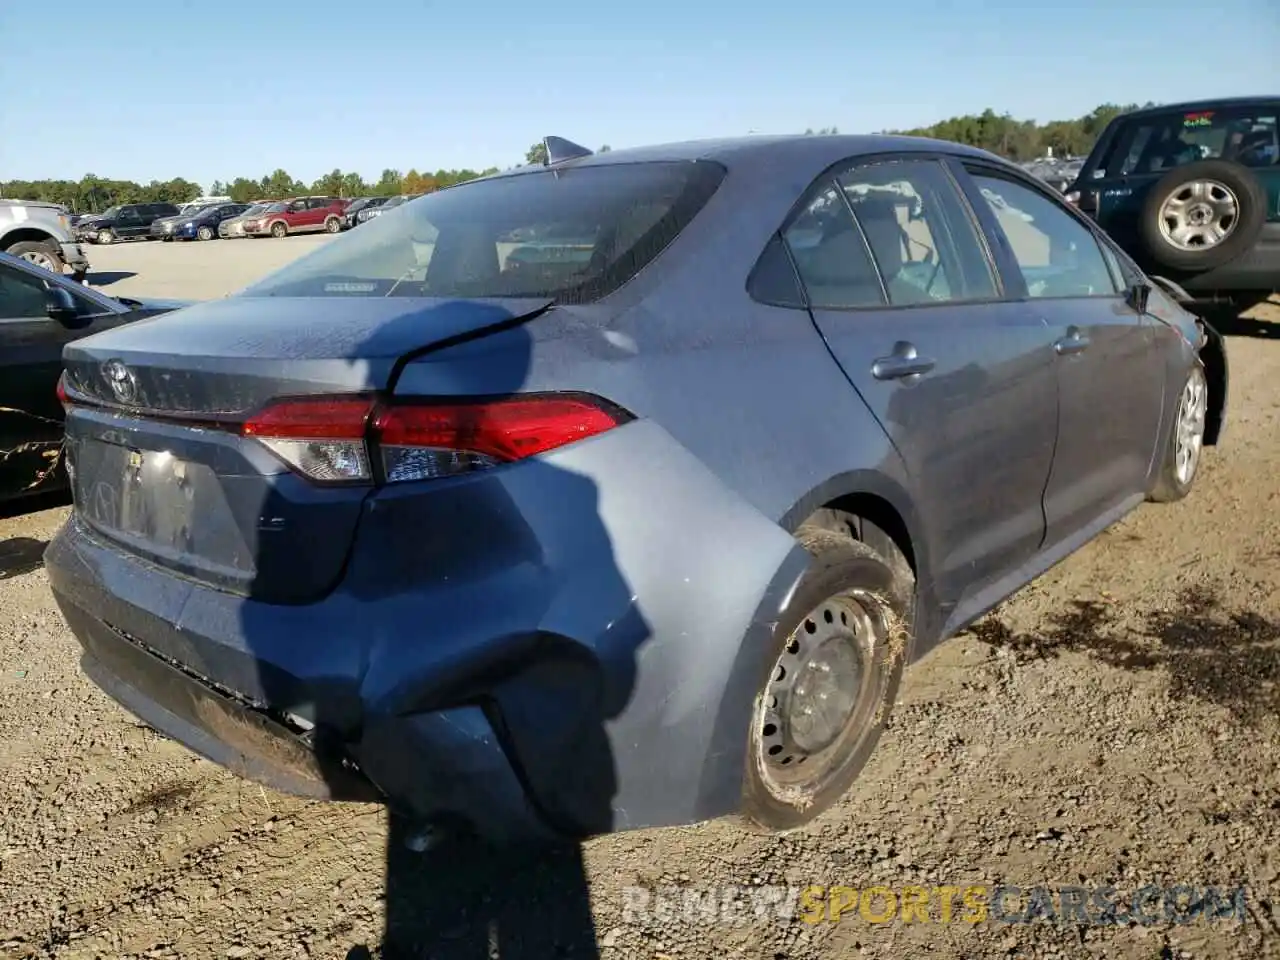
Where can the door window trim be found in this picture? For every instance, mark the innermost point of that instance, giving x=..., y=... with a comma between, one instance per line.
x=978, y=167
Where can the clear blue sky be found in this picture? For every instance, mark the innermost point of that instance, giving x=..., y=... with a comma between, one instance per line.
x=152, y=89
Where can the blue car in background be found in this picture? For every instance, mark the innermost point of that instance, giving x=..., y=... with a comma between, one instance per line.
x=203, y=224
x=616, y=492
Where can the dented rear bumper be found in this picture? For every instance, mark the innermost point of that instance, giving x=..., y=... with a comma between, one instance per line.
x=563, y=647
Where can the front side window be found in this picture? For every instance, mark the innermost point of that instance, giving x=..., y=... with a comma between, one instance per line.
x=572, y=235
x=1058, y=256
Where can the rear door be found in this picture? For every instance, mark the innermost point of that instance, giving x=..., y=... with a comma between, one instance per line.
x=317, y=207
x=1110, y=372
x=902, y=288
x=30, y=364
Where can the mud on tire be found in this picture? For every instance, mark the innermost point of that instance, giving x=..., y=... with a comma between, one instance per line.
x=838, y=655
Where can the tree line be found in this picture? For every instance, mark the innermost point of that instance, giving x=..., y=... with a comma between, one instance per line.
x=998, y=133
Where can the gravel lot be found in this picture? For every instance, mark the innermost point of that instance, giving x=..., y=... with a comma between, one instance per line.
x=1117, y=723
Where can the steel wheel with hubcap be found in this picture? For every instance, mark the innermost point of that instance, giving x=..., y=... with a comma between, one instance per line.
x=1186, y=444
x=831, y=683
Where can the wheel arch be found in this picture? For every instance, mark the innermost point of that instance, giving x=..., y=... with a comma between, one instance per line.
x=867, y=496
x=26, y=234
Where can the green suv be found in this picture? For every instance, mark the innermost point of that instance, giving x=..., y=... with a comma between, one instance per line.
x=1192, y=192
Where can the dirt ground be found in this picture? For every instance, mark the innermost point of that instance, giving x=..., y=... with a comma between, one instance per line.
x=1116, y=723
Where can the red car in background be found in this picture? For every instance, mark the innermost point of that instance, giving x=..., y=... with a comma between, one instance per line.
x=299, y=215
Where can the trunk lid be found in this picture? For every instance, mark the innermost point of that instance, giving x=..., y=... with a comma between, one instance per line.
x=155, y=457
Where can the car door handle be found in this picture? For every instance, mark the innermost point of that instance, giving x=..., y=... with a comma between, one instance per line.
x=905, y=361
x=1073, y=342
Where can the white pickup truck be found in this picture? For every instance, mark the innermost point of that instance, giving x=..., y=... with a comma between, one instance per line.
x=41, y=233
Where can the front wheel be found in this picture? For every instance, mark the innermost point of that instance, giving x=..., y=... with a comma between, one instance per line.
x=41, y=254
x=1181, y=462
x=839, y=654
x=279, y=230
x=205, y=233
x=105, y=236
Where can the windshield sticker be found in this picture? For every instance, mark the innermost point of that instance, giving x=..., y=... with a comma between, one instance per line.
x=1202, y=119
x=348, y=287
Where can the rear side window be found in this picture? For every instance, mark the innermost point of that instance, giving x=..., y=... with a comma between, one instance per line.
x=895, y=233
x=1160, y=142
x=926, y=245
x=1058, y=255
x=571, y=235
x=831, y=254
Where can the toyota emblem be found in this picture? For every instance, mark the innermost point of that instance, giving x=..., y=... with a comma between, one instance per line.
x=121, y=380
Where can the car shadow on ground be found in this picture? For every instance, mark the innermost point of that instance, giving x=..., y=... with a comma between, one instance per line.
x=1210, y=652
x=468, y=901
x=1231, y=321
x=20, y=555
x=104, y=278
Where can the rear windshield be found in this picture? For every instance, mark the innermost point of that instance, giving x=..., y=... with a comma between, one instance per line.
x=572, y=236
x=1160, y=142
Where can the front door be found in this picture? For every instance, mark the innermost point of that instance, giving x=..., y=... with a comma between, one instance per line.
x=962, y=380
x=1111, y=376
x=131, y=223
x=30, y=364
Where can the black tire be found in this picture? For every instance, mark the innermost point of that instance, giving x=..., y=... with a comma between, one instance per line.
x=1251, y=214
x=204, y=233
x=1172, y=481
x=332, y=225
x=846, y=577
x=42, y=253
x=104, y=237
x=279, y=229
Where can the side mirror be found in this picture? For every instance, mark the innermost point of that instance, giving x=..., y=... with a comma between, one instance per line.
x=61, y=307
x=1138, y=296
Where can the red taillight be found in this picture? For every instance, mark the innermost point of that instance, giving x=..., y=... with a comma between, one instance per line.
x=62, y=390
x=335, y=438
x=422, y=441
x=320, y=418
x=320, y=437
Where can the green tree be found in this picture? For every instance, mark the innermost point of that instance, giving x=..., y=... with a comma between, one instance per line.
x=389, y=184
x=536, y=155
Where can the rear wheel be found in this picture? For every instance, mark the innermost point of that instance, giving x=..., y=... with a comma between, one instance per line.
x=44, y=255
x=840, y=650
x=1185, y=445
x=332, y=225
x=278, y=229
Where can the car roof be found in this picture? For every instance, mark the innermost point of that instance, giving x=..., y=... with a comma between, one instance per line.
x=1219, y=103
x=807, y=149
